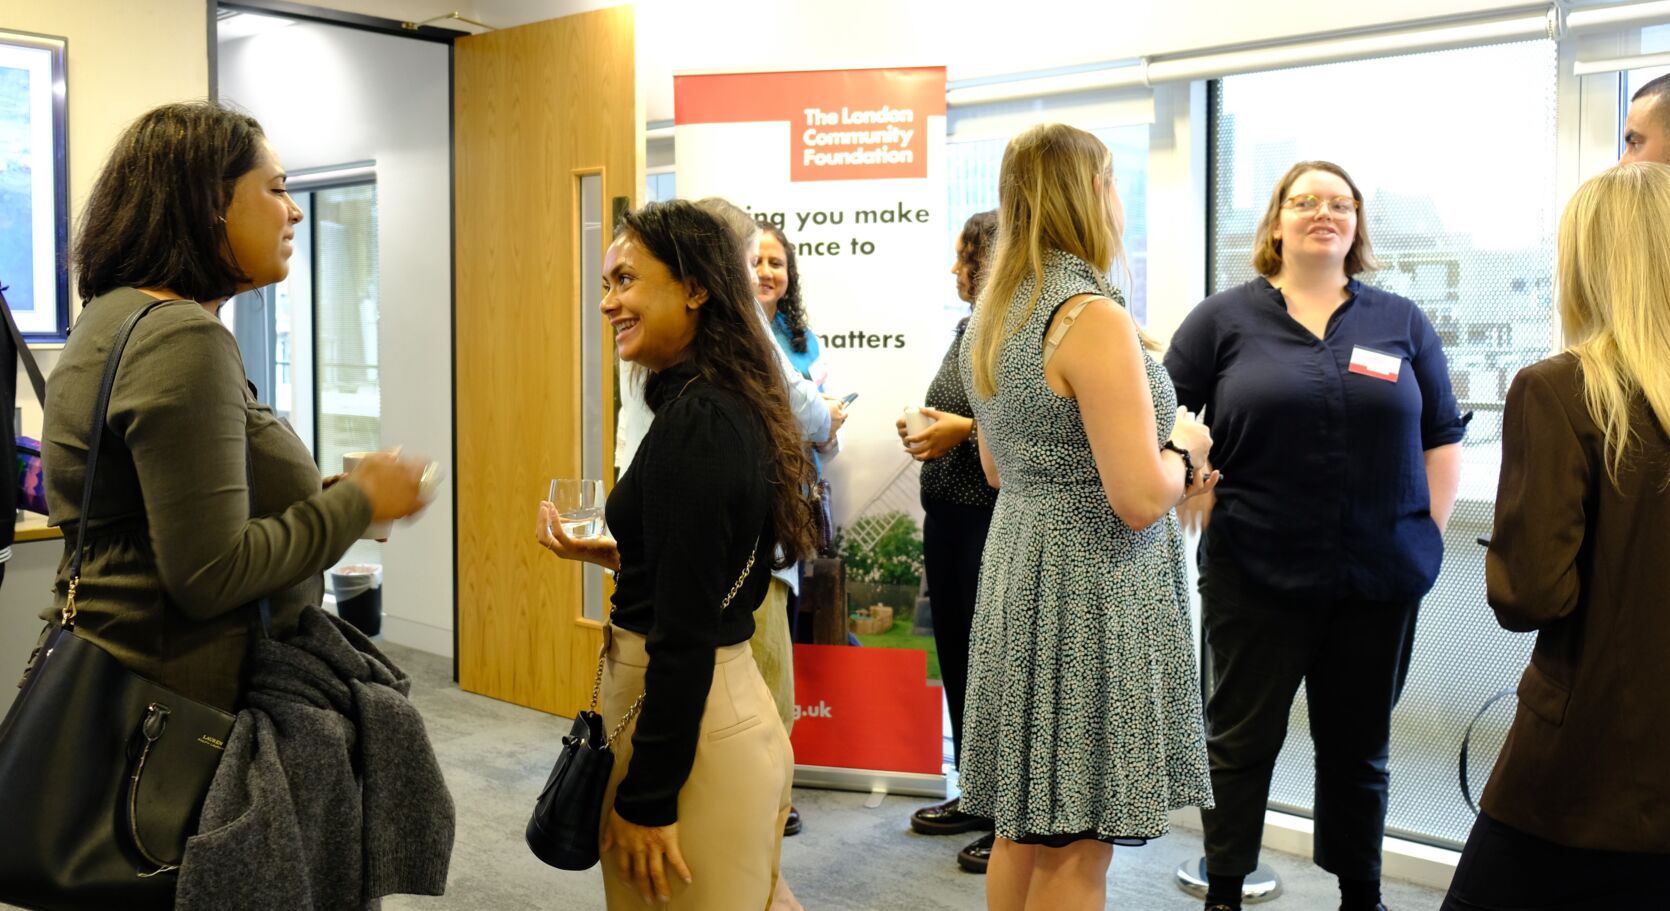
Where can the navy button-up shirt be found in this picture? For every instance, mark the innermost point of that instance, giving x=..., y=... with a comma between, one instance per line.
x=1325, y=488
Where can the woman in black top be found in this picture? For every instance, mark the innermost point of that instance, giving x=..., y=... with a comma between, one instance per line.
x=702, y=789
x=958, y=505
x=1337, y=433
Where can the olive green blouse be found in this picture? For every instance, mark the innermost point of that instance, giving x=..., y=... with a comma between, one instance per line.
x=174, y=547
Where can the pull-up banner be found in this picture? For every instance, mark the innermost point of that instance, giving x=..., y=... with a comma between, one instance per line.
x=851, y=165
x=865, y=708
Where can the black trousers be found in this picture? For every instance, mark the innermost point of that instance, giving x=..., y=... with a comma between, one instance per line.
x=1352, y=655
x=1505, y=869
x=953, y=540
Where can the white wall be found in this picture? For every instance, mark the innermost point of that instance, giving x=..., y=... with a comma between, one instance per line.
x=326, y=96
x=113, y=74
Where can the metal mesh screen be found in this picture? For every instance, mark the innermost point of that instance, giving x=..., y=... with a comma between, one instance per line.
x=1454, y=153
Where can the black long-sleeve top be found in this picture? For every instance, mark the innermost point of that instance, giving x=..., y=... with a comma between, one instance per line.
x=685, y=515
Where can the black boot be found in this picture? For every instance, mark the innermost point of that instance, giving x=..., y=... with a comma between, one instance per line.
x=947, y=819
x=978, y=855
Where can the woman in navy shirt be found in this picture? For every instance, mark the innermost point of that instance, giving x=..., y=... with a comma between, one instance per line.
x=1338, y=437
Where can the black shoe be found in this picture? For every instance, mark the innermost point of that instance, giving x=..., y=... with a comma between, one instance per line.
x=1218, y=907
x=1378, y=907
x=976, y=856
x=792, y=827
x=946, y=819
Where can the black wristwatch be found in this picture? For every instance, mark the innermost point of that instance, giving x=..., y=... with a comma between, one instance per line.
x=1188, y=463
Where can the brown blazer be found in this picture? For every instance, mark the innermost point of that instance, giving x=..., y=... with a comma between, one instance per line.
x=1586, y=564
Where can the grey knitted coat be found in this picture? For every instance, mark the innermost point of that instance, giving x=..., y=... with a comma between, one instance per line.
x=329, y=795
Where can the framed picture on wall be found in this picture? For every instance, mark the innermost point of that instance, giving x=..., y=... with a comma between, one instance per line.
x=34, y=184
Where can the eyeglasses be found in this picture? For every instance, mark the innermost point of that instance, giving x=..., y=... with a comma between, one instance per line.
x=1310, y=204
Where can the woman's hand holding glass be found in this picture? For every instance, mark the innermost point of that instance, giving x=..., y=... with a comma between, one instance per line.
x=600, y=550
x=940, y=437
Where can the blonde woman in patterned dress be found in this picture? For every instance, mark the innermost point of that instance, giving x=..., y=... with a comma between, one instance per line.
x=1082, y=727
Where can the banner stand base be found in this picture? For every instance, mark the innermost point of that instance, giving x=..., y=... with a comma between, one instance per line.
x=904, y=784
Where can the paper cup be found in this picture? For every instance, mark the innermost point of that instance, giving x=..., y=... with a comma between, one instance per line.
x=376, y=531
x=916, y=421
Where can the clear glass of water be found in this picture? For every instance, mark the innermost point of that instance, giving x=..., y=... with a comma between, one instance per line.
x=579, y=506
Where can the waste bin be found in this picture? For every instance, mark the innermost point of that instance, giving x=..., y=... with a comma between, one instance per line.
x=358, y=588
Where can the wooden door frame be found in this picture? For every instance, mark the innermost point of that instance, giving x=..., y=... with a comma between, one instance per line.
x=617, y=164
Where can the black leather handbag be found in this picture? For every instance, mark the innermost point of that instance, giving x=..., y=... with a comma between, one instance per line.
x=102, y=772
x=564, y=829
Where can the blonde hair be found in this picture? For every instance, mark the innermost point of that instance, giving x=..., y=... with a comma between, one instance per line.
x=1267, y=246
x=1614, y=271
x=1052, y=194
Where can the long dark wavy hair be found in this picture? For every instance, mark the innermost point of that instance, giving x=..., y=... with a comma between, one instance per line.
x=732, y=351
x=157, y=215
x=979, y=238
x=791, y=306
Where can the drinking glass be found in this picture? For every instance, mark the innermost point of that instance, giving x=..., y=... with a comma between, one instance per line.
x=579, y=506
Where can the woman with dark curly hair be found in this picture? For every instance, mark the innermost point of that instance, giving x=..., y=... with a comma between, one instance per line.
x=957, y=503
x=699, y=794
x=785, y=312
x=780, y=298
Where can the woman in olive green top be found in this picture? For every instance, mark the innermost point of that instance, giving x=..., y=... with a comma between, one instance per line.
x=191, y=207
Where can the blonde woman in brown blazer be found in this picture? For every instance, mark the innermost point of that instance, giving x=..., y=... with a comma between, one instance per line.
x=1581, y=554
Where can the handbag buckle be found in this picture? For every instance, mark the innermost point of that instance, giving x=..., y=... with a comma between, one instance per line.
x=66, y=617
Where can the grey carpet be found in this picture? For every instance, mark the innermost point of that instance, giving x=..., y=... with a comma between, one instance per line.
x=849, y=858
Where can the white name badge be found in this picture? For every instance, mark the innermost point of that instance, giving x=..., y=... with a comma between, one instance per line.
x=1377, y=364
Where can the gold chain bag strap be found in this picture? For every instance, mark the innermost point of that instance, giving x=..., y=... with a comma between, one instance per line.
x=563, y=830
x=638, y=704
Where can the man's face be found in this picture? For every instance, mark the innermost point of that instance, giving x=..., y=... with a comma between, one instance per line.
x=1647, y=131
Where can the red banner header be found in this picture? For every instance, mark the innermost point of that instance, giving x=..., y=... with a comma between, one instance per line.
x=843, y=124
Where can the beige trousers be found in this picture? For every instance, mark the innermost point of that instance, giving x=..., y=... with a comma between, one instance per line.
x=732, y=808
x=773, y=648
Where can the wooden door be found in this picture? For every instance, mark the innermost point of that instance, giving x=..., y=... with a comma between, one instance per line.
x=535, y=108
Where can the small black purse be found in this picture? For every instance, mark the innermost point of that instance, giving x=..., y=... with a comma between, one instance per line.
x=102, y=772
x=563, y=830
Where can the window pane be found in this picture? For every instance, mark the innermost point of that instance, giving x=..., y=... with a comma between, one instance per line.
x=345, y=295
x=1654, y=40
x=972, y=184
x=1462, y=216
x=284, y=386
x=660, y=187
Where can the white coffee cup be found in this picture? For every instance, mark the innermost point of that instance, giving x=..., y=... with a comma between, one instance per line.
x=916, y=421
x=376, y=531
